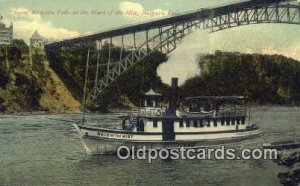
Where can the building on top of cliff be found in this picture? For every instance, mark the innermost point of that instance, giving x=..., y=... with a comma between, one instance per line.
x=6, y=33
x=37, y=41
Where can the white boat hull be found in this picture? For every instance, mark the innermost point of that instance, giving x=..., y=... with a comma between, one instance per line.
x=108, y=144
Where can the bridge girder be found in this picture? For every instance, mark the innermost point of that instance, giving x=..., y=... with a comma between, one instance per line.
x=165, y=38
x=169, y=38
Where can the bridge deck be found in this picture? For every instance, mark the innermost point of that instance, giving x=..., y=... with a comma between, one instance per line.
x=202, y=13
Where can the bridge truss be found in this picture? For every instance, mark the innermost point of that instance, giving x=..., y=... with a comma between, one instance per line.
x=164, y=35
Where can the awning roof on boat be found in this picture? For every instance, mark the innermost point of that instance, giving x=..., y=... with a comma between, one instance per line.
x=217, y=98
x=152, y=93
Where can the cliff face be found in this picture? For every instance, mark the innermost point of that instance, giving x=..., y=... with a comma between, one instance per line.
x=31, y=85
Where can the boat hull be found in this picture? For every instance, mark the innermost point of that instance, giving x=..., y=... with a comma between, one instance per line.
x=106, y=145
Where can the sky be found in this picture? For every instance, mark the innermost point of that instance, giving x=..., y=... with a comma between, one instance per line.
x=59, y=19
x=54, y=21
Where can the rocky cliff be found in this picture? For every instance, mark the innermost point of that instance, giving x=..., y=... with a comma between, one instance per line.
x=27, y=83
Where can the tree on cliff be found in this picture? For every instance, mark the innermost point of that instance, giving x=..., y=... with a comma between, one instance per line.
x=264, y=78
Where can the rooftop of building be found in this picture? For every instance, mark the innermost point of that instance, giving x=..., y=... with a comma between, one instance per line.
x=36, y=35
x=2, y=24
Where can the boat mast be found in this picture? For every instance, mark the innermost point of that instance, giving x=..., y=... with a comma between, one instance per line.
x=85, y=86
x=249, y=113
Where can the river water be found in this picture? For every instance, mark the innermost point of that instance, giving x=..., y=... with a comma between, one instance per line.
x=40, y=149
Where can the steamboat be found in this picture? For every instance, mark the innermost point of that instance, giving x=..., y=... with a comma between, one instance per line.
x=200, y=120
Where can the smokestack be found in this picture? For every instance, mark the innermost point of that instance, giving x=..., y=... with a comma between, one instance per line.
x=173, y=97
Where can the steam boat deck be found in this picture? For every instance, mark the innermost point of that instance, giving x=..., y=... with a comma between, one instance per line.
x=155, y=126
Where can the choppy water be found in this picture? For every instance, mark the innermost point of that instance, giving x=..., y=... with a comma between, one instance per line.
x=45, y=150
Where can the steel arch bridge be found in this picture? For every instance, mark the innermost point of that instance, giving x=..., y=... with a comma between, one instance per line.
x=164, y=35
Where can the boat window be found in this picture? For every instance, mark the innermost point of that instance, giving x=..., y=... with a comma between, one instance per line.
x=243, y=120
x=187, y=123
x=227, y=121
x=215, y=122
x=238, y=121
x=180, y=123
x=201, y=123
x=208, y=123
x=154, y=123
x=123, y=124
x=141, y=126
x=232, y=121
x=222, y=121
x=195, y=123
